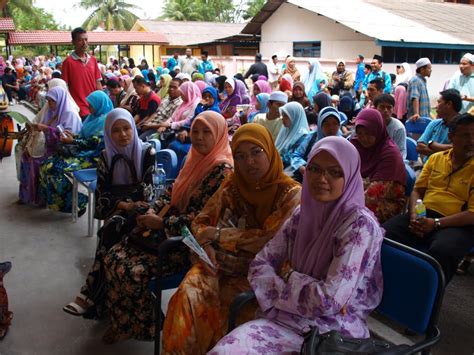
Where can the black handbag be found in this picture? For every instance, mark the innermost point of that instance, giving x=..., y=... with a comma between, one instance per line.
x=68, y=150
x=333, y=343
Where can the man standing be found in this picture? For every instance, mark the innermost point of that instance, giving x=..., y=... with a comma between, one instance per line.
x=173, y=61
x=342, y=80
x=418, y=100
x=360, y=75
x=81, y=72
x=206, y=64
x=189, y=64
x=257, y=68
x=273, y=71
x=446, y=186
x=377, y=72
x=464, y=82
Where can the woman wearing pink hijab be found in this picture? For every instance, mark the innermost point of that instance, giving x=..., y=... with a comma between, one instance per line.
x=322, y=269
x=183, y=115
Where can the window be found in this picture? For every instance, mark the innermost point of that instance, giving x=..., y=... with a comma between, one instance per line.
x=307, y=49
x=412, y=54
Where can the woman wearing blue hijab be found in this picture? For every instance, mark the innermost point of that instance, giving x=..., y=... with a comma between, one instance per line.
x=313, y=79
x=294, y=130
x=209, y=102
x=77, y=152
x=261, y=105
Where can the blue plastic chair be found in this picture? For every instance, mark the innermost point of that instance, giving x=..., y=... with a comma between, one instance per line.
x=88, y=179
x=159, y=283
x=416, y=128
x=169, y=159
x=414, y=286
x=412, y=154
x=411, y=179
x=412, y=297
x=155, y=143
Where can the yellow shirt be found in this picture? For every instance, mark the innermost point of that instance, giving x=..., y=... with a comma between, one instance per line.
x=447, y=192
x=274, y=126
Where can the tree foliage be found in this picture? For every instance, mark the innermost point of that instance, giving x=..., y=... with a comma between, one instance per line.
x=199, y=10
x=253, y=8
x=34, y=19
x=114, y=14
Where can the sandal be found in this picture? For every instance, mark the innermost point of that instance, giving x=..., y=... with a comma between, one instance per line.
x=77, y=310
x=463, y=267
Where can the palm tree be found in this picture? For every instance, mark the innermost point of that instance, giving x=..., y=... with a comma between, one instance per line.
x=181, y=10
x=114, y=14
x=9, y=6
x=254, y=7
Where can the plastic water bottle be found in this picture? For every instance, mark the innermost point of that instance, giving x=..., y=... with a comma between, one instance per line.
x=420, y=209
x=159, y=181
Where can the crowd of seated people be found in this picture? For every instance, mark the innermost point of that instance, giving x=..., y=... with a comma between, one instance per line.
x=289, y=191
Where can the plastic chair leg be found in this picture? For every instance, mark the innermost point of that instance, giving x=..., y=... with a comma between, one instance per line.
x=75, y=192
x=90, y=214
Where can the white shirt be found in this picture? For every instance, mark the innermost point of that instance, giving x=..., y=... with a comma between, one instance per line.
x=273, y=72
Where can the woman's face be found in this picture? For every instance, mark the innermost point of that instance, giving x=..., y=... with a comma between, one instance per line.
x=52, y=104
x=286, y=120
x=330, y=126
x=121, y=133
x=228, y=89
x=325, y=177
x=208, y=98
x=291, y=64
x=365, y=138
x=251, y=161
x=162, y=82
x=298, y=92
x=201, y=138
x=256, y=90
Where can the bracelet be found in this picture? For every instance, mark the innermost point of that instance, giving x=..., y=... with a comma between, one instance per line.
x=437, y=224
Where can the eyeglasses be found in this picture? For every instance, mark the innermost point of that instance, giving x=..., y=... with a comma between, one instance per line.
x=332, y=173
x=254, y=154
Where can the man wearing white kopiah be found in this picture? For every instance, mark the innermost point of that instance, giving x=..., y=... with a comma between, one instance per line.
x=464, y=82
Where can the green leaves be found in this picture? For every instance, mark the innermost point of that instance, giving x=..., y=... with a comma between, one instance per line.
x=115, y=14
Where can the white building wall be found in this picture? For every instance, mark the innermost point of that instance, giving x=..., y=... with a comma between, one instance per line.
x=291, y=24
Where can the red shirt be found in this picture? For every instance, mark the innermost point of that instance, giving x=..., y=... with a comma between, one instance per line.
x=148, y=104
x=81, y=79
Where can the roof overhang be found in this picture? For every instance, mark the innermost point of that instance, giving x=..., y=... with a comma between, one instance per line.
x=423, y=45
x=95, y=38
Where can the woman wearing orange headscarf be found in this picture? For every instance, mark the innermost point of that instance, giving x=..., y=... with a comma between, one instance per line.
x=237, y=221
x=291, y=69
x=128, y=269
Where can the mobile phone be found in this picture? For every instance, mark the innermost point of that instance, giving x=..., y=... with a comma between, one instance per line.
x=61, y=130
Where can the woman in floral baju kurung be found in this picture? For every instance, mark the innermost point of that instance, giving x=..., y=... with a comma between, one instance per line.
x=88, y=144
x=323, y=267
x=237, y=221
x=62, y=113
x=128, y=269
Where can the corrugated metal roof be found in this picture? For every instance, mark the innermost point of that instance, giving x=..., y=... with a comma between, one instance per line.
x=380, y=23
x=105, y=37
x=183, y=33
x=415, y=21
x=6, y=24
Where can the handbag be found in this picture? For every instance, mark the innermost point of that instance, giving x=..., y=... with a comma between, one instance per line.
x=333, y=343
x=68, y=150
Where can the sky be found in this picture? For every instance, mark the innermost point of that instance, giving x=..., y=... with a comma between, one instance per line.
x=67, y=13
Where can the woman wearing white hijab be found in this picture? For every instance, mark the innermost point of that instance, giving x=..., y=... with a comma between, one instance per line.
x=404, y=74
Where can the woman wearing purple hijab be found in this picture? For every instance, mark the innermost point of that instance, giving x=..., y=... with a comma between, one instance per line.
x=60, y=112
x=382, y=169
x=322, y=269
x=124, y=163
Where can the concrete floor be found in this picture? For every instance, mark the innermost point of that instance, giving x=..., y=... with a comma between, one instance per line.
x=51, y=256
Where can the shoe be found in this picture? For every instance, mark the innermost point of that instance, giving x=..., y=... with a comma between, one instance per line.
x=5, y=267
x=77, y=310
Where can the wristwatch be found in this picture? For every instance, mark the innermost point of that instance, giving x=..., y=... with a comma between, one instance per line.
x=437, y=224
x=429, y=143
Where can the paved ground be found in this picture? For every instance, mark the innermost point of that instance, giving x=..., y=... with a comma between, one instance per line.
x=51, y=256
